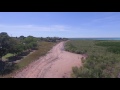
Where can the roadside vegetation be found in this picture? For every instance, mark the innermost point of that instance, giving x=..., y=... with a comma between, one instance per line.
x=103, y=59
x=17, y=52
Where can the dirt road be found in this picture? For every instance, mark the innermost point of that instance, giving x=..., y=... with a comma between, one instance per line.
x=56, y=64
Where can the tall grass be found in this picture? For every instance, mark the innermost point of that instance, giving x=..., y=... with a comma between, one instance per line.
x=102, y=60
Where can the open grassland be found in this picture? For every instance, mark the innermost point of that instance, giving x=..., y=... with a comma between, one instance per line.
x=44, y=47
x=103, y=59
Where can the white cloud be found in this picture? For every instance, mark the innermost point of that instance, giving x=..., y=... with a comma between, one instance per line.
x=108, y=19
x=105, y=20
x=50, y=28
x=102, y=19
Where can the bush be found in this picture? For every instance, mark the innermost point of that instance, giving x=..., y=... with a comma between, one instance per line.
x=103, y=58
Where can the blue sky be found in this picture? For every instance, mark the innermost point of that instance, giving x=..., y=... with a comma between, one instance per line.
x=61, y=24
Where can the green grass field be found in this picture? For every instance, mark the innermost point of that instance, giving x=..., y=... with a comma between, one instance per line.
x=44, y=47
x=7, y=56
x=103, y=59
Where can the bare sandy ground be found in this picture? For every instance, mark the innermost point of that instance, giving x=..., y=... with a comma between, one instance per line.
x=56, y=64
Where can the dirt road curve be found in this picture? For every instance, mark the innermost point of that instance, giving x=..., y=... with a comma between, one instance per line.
x=56, y=64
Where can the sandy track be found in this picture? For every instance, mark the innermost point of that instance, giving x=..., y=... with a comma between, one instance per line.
x=56, y=64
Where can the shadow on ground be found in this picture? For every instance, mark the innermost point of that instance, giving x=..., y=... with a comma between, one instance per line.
x=18, y=57
x=6, y=67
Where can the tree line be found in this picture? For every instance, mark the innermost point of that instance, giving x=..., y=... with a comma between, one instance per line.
x=52, y=39
x=17, y=45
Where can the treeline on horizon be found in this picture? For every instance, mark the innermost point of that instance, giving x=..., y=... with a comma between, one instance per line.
x=103, y=58
x=17, y=45
x=20, y=46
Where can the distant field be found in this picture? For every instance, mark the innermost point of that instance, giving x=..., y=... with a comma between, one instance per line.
x=44, y=47
x=103, y=58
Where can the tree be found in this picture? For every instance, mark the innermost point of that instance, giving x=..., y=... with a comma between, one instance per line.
x=30, y=39
x=29, y=42
x=41, y=38
x=16, y=46
x=4, y=44
x=21, y=37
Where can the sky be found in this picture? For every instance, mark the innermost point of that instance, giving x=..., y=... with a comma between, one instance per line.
x=61, y=24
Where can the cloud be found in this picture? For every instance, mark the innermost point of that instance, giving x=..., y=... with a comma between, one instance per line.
x=103, y=20
x=50, y=28
x=107, y=19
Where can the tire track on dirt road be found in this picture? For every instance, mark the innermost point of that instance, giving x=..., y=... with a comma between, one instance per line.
x=55, y=64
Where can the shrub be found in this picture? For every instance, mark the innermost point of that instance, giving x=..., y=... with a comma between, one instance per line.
x=103, y=59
